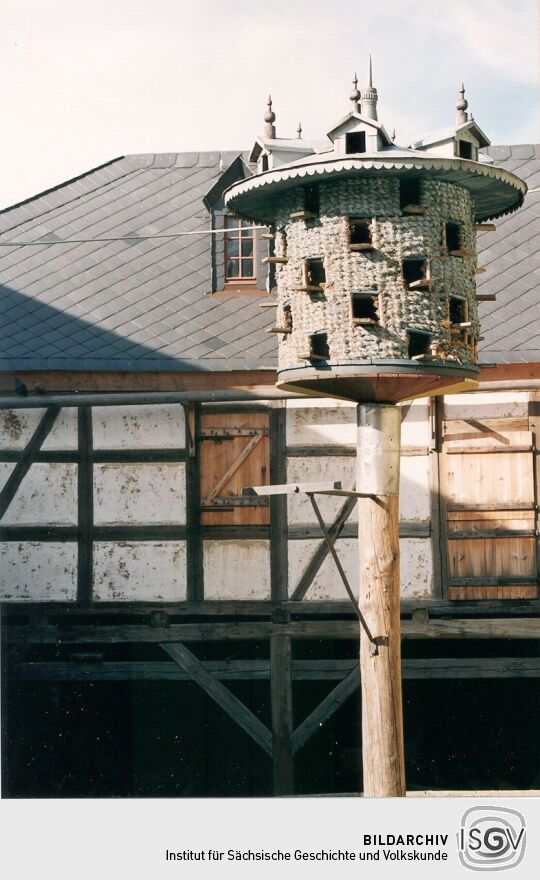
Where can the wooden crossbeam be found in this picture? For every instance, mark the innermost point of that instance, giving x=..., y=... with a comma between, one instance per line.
x=259, y=670
x=322, y=550
x=27, y=457
x=326, y=708
x=217, y=691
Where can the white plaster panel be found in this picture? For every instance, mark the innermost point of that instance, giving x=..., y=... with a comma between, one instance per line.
x=64, y=432
x=316, y=470
x=327, y=583
x=139, y=493
x=46, y=496
x=236, y=569
x=40, y=572
x=6, y=467
x=139, y=427
x=316, y=425
x=487, y=405
x=416, y=426
x=415, y=500
x=140, y=571
x=17, y=426
x=416, y=568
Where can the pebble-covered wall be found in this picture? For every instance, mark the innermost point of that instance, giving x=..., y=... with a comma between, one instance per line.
x=438, y=305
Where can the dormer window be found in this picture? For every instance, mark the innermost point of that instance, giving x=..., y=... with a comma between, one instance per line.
x=239, y=250
x=264, y=163
x=465, y=149
x=355, y=142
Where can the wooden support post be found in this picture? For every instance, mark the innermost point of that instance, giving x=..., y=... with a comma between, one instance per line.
x=282, y=714
x=378, y=542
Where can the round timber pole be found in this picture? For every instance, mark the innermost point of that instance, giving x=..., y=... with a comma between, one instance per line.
x=379, y=427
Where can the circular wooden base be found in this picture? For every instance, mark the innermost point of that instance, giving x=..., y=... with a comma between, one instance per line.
x=382, y=381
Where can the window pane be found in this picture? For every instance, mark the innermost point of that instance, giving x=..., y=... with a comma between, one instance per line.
x=247, y=230
x=233, y=223
x=232, y=247
x=247, y=268
x=233, y=269
x=247, y=247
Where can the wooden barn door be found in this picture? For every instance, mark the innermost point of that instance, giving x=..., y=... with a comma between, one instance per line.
x=234, y=453
x=488, y=495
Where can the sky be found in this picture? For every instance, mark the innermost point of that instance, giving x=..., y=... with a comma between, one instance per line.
x=82, y=83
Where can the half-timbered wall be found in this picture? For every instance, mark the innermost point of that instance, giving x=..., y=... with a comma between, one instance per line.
x=145, y=504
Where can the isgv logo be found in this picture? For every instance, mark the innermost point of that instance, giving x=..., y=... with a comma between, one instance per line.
x=491, y=838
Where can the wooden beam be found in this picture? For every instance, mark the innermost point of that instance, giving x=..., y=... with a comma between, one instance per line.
x=85, y=505
x=194, y=543
x=292, y=488
x=227, y=701
x=108, y=634
x=326, y=708
x=383, y=757
x=279, y=545
x=320, y=554
x=282, y=713
x=27, y=457
x=259, y=670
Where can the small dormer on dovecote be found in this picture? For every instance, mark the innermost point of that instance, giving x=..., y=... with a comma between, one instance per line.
x=270, y=152
x=360, y=131
x=464, y=140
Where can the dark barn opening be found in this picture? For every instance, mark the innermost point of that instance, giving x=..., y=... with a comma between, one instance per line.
x=68, y=739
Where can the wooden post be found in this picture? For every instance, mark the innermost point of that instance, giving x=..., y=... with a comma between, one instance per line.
x=282, y=714
x=379, y=428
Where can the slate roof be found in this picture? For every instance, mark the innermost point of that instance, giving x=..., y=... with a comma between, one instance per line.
x=141, y=305
x=511, y=255
x=128, y=304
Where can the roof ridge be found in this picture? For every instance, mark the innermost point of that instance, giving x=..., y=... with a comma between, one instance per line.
x=58, y=186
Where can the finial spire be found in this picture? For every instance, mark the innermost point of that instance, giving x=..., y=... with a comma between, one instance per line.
x=269, y=118
x=355, y=96
x=461, y=107
x=368, y=96
x=299, y=131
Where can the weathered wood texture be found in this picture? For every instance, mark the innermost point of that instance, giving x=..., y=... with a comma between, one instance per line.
x=259, y=670
x=282, y=714
x=230, y=460
x=378, y=543
x=458, y=628
x=489, y=487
